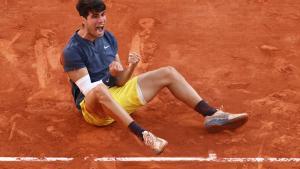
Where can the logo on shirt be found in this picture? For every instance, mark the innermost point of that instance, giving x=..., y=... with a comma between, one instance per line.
x=105, y=47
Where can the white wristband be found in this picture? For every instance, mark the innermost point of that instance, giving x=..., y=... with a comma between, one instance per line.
x=85, y=85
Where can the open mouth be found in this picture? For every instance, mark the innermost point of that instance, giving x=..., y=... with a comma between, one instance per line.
x=100, y=28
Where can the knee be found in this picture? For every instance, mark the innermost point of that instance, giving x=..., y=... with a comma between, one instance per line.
x=101, y=94
x=170, y=72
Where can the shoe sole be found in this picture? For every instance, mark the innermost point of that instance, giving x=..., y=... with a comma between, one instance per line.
x=231, y=125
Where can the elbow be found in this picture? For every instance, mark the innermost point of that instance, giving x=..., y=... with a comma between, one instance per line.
x=120, y=83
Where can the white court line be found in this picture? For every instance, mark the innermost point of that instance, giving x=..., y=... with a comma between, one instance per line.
x=210, y=158
x=34, y=159
x=197, y=159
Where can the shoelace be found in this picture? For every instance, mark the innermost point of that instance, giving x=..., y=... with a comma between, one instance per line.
x=220, y=116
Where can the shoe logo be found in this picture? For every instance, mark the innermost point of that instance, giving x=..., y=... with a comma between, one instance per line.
x=105, y=47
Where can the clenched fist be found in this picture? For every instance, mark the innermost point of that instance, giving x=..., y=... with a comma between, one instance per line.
x=134, y=59
x=115, y=68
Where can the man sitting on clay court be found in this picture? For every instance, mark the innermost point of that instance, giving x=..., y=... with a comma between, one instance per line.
x=104, y=91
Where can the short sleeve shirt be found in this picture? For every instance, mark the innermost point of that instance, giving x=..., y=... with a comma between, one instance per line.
x=96, y=56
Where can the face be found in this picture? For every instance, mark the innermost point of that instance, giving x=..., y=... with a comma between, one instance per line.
x=94, y=24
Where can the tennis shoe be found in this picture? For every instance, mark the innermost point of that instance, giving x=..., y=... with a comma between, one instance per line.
x=154, y=142
x=224, y=121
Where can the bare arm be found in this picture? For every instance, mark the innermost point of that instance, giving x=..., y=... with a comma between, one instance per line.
x=82, y=79
x=124, y=76
x=77, y=74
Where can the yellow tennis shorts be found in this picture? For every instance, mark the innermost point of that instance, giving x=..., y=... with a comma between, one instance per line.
x=129, y=96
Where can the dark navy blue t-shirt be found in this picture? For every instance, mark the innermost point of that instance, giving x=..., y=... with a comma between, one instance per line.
x=96, y=56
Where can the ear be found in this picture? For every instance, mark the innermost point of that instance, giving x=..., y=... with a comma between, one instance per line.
x=83, y=20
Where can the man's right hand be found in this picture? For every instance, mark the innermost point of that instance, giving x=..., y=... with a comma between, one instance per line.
x=115, y=68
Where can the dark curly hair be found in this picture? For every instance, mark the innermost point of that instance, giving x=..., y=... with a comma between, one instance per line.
x=85, y=6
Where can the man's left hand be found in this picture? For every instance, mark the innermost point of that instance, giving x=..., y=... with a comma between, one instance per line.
x=134, y=59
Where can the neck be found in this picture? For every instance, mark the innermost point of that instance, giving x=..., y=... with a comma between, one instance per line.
x=85, y=35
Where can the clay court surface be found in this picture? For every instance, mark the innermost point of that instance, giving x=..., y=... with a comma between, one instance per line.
x=241, y=55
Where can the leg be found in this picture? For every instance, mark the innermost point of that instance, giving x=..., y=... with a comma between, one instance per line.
x=99, y=102
x=152, y=82
x=215, y=120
